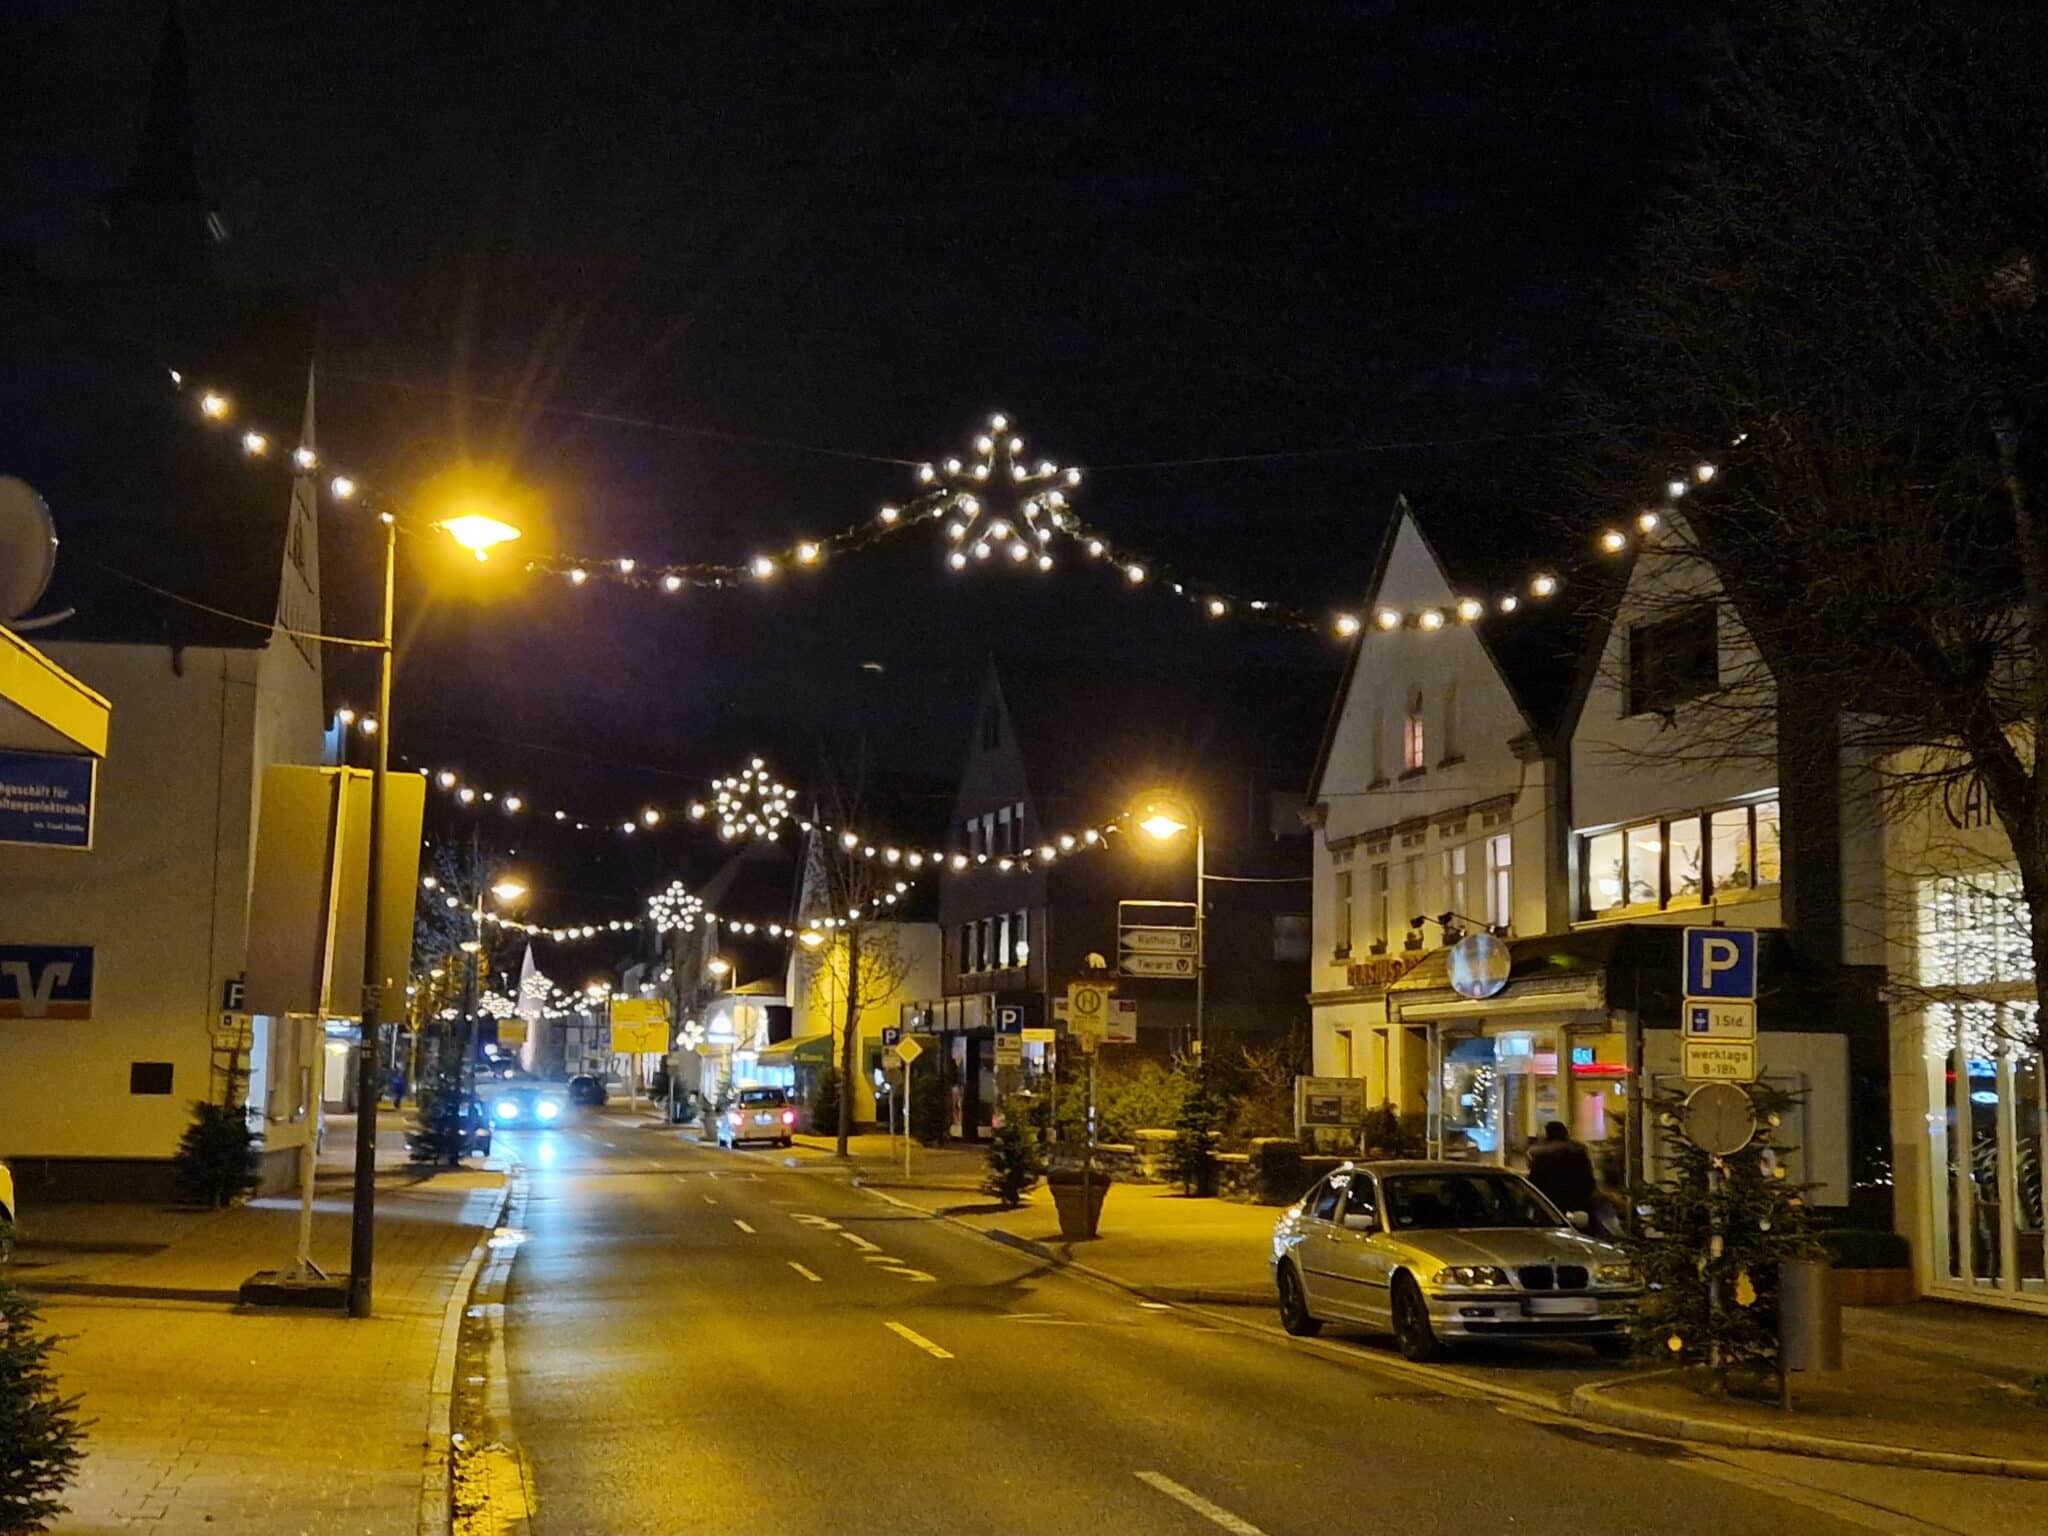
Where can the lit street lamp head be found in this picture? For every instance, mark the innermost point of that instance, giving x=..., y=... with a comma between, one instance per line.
x=477, y=533
x=719, y=966
x=508, y=890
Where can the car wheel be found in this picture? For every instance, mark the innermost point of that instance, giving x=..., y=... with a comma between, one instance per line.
x=1412, y=1331
x=1294, y=1313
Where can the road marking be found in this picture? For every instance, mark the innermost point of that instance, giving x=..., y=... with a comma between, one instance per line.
x=860, y=1242
x=806, y=1273
x=743, y=1226
x=611, y=1144
x=1214, y=1513
x=1154, y=1306
x=908, y=1273
x=878, y=1258
x=937, y=1353
x=711, y=1199
x=814, y=1221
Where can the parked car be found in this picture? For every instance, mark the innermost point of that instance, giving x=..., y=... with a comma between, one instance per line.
x=1446, y=1252
x=758, y=1114
x=461, y=1127
x=587, y=1090
x=526, y=1104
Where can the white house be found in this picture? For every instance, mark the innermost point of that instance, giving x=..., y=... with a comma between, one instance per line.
x=1436, y=802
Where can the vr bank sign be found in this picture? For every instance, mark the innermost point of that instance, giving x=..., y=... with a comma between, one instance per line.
x=45, y=981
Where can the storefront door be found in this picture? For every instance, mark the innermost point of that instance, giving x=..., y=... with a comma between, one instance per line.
x=1988, y=1085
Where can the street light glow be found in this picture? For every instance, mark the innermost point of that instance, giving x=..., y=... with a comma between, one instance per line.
x=508, y=890
x=719, y=966
x=1163, y=824
x=477, y=533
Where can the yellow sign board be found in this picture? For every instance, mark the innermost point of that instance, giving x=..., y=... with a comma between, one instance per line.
x=512, y=1031
x=640, y=1039
x=639, y=1010
x=1087, y=1009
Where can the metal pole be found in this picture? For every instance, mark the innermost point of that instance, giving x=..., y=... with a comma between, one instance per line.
x=363, y=1218
x=906, y=1119
x=1201, y=941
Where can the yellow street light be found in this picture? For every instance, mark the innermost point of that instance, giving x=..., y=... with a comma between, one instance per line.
x=718, y=965
x=1163, y=824
x=508, y=890
x=477, y=533
x=810, y=938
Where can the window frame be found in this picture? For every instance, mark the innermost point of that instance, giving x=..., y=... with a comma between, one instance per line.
x=1414, y=734
x=1500, y=879
x=1341, y=901
x=1663, y=643
x=1710, y=894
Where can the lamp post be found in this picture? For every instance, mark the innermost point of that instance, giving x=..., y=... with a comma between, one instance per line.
x=476, y=534
x=1163, y=820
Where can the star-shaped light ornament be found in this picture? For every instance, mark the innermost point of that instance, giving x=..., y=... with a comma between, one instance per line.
x=750, y=803
x=675, y=908
x=1001, y=505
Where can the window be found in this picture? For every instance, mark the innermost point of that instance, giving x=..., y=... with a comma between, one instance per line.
x=1340, y=918
x=1020, y=937
x=1003, y=940
x=967, y=948
x=1381, y=915
x=151, y=1077
x=1358, y=1200
x=1414, y=747
x=1680, y=861
x=1290, y=936
x=1414, y=897
x=1324, y=1207
x=988, y=832
x=1006, y=834
x=985, y=951
x=1500, y=880
x=1456, y=893
x=1451, y=752
x=1674, y=659
x=973, y=838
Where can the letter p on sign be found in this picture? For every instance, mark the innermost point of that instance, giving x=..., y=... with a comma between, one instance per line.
x=1720, y=963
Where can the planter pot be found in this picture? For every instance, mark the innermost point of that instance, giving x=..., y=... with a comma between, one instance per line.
x=1079, y=1217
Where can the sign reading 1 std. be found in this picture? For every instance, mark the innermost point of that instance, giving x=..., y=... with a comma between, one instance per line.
x=46, y=801
x=1719, y=1021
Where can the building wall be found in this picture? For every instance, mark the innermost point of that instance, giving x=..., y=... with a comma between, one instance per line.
x=1479, y=779
x=817, y=992
x=162, y=897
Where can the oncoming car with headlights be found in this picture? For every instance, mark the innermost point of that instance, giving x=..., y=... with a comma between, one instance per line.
x=526, y=1105
x=1443, y=1252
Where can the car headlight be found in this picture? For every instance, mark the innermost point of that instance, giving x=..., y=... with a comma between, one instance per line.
x=1470, y=1274
x=506, y=1110
x=547, y=1109
x=1618, y=1274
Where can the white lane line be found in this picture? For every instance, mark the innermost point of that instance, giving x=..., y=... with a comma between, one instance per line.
x=743, y=1226
x=937, y=1353
x=908, y=1273
x=861, y=1243
x=814, y=1221
x=879, y=1258
x=1214, y=1513
x=711, y=1199
x=1154, y=1306
x=806, y=1273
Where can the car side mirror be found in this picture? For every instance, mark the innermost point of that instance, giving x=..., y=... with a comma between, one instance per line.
x=1360, y=1221
x=1580, y=1220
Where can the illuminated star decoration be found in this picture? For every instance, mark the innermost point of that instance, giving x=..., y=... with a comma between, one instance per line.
x=675, y=908
x=999, y=504
x=751, y=803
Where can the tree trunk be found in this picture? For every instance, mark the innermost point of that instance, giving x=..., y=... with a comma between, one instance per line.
x=849, y=1044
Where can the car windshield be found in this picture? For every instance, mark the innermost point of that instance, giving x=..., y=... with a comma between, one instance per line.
x=764, y=1096
x=1415, y=1201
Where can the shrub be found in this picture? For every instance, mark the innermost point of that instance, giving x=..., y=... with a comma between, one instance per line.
x=1192, y=1160
x=824, y=1111
x=216, y=1157
x=438, y=1138
x=931, y=1106
x=1015, y=1159
x=39, y=1431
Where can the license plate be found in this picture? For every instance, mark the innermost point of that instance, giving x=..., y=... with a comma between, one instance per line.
x=764, y=1119
x=1562, y=1306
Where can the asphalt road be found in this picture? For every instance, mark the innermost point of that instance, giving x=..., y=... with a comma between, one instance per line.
x=708, y=1341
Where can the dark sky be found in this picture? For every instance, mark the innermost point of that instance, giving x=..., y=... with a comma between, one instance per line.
x=1152, y=233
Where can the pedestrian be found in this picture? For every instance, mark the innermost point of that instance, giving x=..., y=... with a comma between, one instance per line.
x=1563, y=1170
x=398, y=1088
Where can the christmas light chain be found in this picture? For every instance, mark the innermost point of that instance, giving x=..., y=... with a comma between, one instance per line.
x=571, y=932
x=998, y=507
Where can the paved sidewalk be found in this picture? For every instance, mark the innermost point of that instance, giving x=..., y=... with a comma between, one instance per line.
x=207, y=1416
x=1934, y=1385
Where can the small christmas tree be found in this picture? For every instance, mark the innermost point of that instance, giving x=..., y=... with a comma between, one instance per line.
x=1712, y=1234
x=216, y=1158
x=39, y=1431
x=1192, y=1159
x=825, y=1104
x=1015, y=1157
x=440, y=1136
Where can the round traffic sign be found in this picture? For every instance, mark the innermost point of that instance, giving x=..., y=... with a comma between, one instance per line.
x=1719, y=1118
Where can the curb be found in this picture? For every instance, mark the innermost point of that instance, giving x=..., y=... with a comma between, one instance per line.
x=1592, y=1402
x=491, y=1486
x=437, y=1478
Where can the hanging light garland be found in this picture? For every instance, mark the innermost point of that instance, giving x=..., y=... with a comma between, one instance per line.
x=750, y=803
x=674, y=910
x=676, y=901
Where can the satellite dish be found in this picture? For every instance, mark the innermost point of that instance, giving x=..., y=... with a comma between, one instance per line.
x=1479, y=965
x=28, y=547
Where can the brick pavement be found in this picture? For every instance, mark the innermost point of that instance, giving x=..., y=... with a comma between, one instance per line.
x=206, y=1416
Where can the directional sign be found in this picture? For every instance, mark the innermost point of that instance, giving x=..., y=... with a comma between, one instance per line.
x=1719, y=1021
x=639, y=1010
x=1039, y=1036
x=1087, y=1009
x=1719, y=1061
x=1009, y=1019
x=1173, y=967
x=639, y=1039
x=1160, y=941
x=1720, y=963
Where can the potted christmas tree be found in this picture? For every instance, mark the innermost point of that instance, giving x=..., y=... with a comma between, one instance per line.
x=1077, y=1193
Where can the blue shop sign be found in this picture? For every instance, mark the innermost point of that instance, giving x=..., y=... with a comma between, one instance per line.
x=47, y=800
x=45, y=981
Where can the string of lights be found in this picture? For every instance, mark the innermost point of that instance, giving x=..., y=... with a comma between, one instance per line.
x=1000, y=507
x=676, y=908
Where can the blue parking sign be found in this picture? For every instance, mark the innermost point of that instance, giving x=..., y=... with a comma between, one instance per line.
x=1009, y=1020
x=892, y=1036
x=1720, y=963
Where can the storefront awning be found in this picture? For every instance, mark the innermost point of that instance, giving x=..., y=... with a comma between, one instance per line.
x=804, y=1051
x=43, y=708
x=1564, y=973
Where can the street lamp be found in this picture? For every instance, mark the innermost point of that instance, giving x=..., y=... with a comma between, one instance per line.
x=363, y=1214
x=1163, y=818
x=719, y=966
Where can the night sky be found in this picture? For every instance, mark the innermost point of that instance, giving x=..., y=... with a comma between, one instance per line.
x=801, y=242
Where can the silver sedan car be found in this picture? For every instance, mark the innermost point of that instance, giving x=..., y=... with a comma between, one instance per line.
x=1439, y=1252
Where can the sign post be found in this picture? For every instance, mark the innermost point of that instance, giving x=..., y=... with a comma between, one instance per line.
x=902, y=1045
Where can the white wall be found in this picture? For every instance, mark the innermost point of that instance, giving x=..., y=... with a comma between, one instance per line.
x=818, y=1000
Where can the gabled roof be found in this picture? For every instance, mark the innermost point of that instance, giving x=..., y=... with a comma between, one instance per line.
x=1538, y=651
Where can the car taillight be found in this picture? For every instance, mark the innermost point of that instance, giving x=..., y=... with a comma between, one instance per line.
x=738, y=1118
x=789, y=1117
